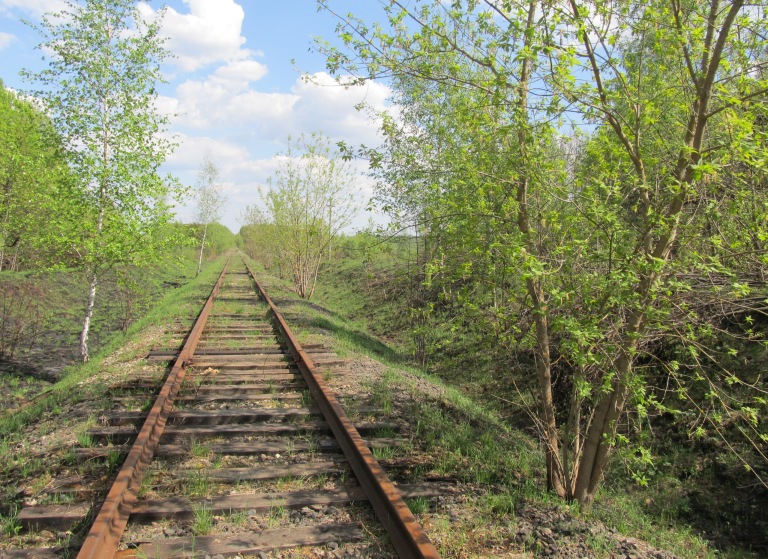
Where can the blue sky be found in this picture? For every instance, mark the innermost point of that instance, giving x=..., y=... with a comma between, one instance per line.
x=233, y=86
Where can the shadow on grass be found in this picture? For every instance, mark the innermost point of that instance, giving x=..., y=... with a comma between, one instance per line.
x=288, y=303
x=22, y=369
x=359, y=340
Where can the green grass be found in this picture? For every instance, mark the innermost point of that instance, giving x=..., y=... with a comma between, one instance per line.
x=115, y=459
x=418, y=505
x=274, y=516
x=84, y=439
x=197, y=484
x=202, y=522
x=74, y=388
x=239, y=518
x=9, y=524
x=200, y=449
x=468, y=438
x=384, y=452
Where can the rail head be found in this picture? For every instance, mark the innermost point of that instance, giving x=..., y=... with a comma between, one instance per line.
x=407, y=535
x=107, y=529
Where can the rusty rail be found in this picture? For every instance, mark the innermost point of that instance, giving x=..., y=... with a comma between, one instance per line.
x=407, y=535
x=108, y=527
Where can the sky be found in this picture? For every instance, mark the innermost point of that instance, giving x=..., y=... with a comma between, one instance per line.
x=233, y=88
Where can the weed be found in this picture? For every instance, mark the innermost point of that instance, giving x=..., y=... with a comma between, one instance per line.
x=384, y=452
x=62, y=498
x=200, y=450
x=600, y=544
x=239, y=517
x=283, y=483
x=40, y=483
x=146, y=484
x=203, y=520
x=70, y=457
x=10, y=524
x=384, y=433
x=274, y=516
x=418, y=505
x=197, y=484
x=500, y=504
x=290, y=448
x=30, y=466
x=84, y=439
x=114, y=459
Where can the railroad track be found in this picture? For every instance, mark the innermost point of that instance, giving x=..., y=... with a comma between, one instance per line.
x=244, y=451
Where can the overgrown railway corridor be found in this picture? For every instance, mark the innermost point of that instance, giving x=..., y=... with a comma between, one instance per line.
x=244, y=451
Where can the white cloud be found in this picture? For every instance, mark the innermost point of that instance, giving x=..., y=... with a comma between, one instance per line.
x=37, y=7
x=220, y=102
x=6, y=39
x=326, y=106
x=209, y=33
x=240, y=174
x=239, y=73
x=226, y=101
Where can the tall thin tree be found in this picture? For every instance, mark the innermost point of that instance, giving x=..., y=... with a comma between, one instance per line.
x=99, y=88
x=210, y=200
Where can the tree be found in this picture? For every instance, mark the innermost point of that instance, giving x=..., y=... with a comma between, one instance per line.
x=210, y=200
x=587, y=260
x=34, y=193
x=99, y=88
x=260, y=236
x=307, y=204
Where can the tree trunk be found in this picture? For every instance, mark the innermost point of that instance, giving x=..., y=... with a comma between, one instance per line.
x=313, y=281
x=87, y=321
x=544, y=374
x=602, y=430
x=202, y=247
x=601, y=434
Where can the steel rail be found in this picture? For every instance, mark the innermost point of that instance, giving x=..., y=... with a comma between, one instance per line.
x=107, y=529
x=408, y=537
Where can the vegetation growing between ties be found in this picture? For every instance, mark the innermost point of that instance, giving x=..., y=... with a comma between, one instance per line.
x=591, y=249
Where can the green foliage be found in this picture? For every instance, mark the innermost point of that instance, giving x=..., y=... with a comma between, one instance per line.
x=470, y=434
x=308, y=202
x=218, y=238
x=99, y=88
x=580, y=193
x=35, y=187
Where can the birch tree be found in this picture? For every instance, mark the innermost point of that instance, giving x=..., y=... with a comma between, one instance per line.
x=210, y=200
x=99, y=88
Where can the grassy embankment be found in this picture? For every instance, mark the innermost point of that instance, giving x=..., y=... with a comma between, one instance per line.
x=26, y=432
x=469, y=435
